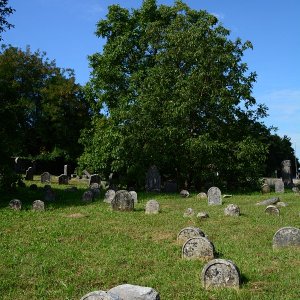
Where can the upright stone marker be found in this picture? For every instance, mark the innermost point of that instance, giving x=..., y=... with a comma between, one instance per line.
x=198, y=248
x=153, y=180
x=66, y=170
x=122, y=201
x=38, y=205
x=184, y=193
x=279, y=186
x=214, y=196
x=272, y=210
x=15, y=204
x=286, y=237
x=189, y=232
x=265, y=189
x=152, y=207
x=63, y=179
x=88, y=196
x=134, y=196
x=202, y=196
x=109, y=196
x=286, y=172
x=170, y=186
x=46, y=177
x=232, y=210
x=220, y=273
x=29, y=174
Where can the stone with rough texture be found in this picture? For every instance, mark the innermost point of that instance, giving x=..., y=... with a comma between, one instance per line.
x=109, y=196
x=152, y=207
x=220, y=273
x=88, y=196
x=184, y=193
x=269, y=201
x=198, y=248
x=214, y=196
x=202, y=215
x=63, y=179
x=46, y=177
x=202, y=196
x=265, y=189
x=232, y=210
x=15, y=204
x=286, y=172
x=189, y=232
x=189, y=212
x=135, y=292
x=272, y=210
x=95, y=185
x=134, y=196
x=38, y=205
x=122, y=201
x=286, y=237
x=100, y=295
x=279, y=186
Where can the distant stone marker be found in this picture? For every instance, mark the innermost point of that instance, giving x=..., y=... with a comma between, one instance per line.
x=122, y=201
x=214, y=196
x=189, y=212
x=184, y=193
x=63, y=179
x=198, y=248
x=100, y=295
x=88, y=196
x=286, y=172
x=272, y=210
x=134, y=196
x=189, y=232
x=29, y=174
x=269, y=201
x=109, y=196
x=202, y=196
x=232, y=210
x=152, y=207
x=286, y=237
x=38, y=205
x=15, y=204
x=202, y=215
x=265, y=189
x=153, y=180
x=46, y=177
x=279, y=186
x=220, y=273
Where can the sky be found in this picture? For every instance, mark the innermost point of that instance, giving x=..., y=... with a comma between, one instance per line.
x=64, y=29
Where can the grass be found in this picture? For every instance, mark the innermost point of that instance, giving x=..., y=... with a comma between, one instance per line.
x=74, y=248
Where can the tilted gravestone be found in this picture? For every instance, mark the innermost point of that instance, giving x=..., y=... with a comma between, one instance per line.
x=152, y=207
x=109, y=196
x=189, y=232
x=170, y=186
x=153, y=180
x=38, y=205
x=15, y=204
x=134, y=196
x=220, y=273
x=214, y=196
x=279, y=186
x=286, y=237
x=122, y=201
x=286, y=172
x=100, y=295
x=198, y=248
x=29, y=174
x=232, y=210
x=269, y=201
x=94, y=178
x=63, y=179
x=46, y=177
x=272, y=210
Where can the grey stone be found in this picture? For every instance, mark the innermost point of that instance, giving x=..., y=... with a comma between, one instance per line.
x=29, y=174
x=38, y=205
x=170, y=186
x=88, y=196
x=63, y=179
x=153, y=180
x=189, y=212
x=135, y=292
x=96, y=192
x=86, y=173
x=286, y=237
x=232, y=210
x=94, y=178
x=95, y=185
x=189, y=232
x=202, y=196
x=152, y=207
x=272, y=210
x=281, y=204
x=295, y=189
x=214, y=196
x=109, y=196
x=15, y=204
x=279, y=186
x=49, y=195
x=202, y=215
x=134, y=196
x=198, y=248
x=265, y=189
x=46, y=177
x=66, y=170
x=286, y=172
x=184, y=193
x=122, y=201
x=269, y=201
x=100, y=295
x=220, y=273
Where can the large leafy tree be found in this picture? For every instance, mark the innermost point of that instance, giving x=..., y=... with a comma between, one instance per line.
x=5, y=11
x=172, y=90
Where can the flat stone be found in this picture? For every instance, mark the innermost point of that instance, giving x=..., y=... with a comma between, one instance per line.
x=100, y=295
x=198, y=248
x=152, y=207
x=281, y=204
x=232, y=210
x=189, y=232
x=227, y=196
x=122, y=201
x=38, y=205
x=272, y=210
x=184, y=193
x=202, y=215
x=15, y=204
x=269, y=201
x=286, y=237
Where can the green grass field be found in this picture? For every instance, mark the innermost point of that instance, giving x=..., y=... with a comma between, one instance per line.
x=74, y=248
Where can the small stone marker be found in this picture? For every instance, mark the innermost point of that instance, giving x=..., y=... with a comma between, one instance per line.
x=66, y=170
x=49, y=195
x=109, y=196
x=198, y=248
x=88, y=196
x=286, y=237
x=170, y=186
x=122, y=201
x=202, y=196
x=279, y=186
x=189, y=212
x=184, y=193
x=265, y=189
x=100, y=295
x=214, y=196
x=94, y=185
x=286, y=172
x=295, y=189
x=15, y=204
x=232, y=210
x=134, y=196
x=135, y=292
x=272, y=210
x=269, y=201
x=220, y=273
x=202, y=215
x=38, y=205
x=94, y=178
x=46, y=177
x=29, y=174
x=189, y=232
x=63, y=179
x=152, y=207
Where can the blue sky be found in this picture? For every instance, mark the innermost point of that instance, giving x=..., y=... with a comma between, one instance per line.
x=64, y=29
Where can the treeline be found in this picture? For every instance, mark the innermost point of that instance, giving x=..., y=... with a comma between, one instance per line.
x=169, y=89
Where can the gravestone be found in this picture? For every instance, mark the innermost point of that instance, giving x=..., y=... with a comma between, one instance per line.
x=279, y=186
x=96, y=192
x=189, y=232
x=272, y=210
x=15, y=204
x=63, y=179
x=18, y=167
x=122, y=201
x=269, y=201
x=202, y=215
x=286, y=172
x=29, y=174
x=94, y=178
x=152, y=207
x=38, y=205
x=49, y=195
x=66, y=170
x=220, y=273
x=232, y=210
x=33, y=187
x=281, y=204
x=198, y=248
x=214, y=196
x=134, y=196
x=295, y=189
x=189, y=212
x=86, y=173
x=100, y=295
x=109, y=196
x=170, y=186
x=134, y=292
x=184, y=193
x=153, y=180
x=202, y=196
x=286, y=237
x=95, y=186
x=265, y=189
x=46, y=177
x=88, y=196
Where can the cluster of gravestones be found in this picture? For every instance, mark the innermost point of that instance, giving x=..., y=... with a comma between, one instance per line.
x=37, y=205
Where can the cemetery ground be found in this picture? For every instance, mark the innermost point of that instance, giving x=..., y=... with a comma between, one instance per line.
x=73, y=248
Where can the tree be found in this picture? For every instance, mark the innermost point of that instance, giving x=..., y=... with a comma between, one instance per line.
x=5, y=11
x=172, y=90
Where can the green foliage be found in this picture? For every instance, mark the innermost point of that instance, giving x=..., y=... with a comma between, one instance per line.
x=5, y=11
x=172, y=90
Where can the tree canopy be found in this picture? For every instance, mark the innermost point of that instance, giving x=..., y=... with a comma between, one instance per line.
x=5, y=11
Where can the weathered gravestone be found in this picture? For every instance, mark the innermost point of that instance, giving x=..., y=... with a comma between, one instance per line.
x=122, y=201
x=100, y=295
x=38, y=205
x=279, y=186
x=198, y=248
x=202, y=196
x=134, y=196
x=286, y=172
x=152, y=207
x=109, y=196
x=269, y=201
x=63, y=179
x=265, y=189
x=153, y=180
x=184, y=193
x=88, y=196
x=29, y=174
x=272, y=210
x=214, y=196
x=94, y=178
x=189, y=232
x=15, y=204
x=135, y=292
x=189, y=212
x=49, y=195
x=286, y=237
x=66, y=170
x=232, y=210
x=46, y=177
x=170, y=186
x=220, y=273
